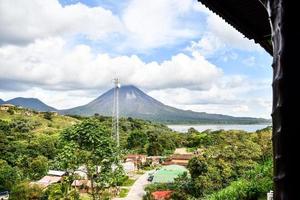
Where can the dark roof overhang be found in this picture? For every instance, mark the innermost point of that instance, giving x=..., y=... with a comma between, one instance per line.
x=249, y=17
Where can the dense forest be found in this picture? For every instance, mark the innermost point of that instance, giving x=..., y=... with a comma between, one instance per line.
x=230, y=165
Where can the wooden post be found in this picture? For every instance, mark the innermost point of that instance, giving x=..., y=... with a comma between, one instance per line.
x=286, y=98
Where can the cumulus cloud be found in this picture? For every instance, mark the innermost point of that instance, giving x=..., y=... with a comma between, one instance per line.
x=50, y=63
x=230, y=95
x=152, y=24
x=219, y=36
x=41, y=56
x=141, y=25
x=22, y=22
x=228, y=35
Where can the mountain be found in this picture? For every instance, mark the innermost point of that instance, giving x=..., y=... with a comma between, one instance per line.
x=31, y=103
x=1, y=101
x=135, y=103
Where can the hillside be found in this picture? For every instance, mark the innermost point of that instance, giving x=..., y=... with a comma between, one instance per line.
x=36, y=122
x=31, y=103
x=135, y=103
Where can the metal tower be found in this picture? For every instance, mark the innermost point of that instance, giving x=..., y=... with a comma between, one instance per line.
x=115, y=113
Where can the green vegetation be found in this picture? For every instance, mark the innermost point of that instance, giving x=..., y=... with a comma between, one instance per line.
x=128, y=182
x=229, y=165
x=32, y=142
x=123, y=192
x=95, y=149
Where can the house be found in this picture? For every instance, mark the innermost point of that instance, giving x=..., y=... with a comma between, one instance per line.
x=161, y=195
x=137, y=159
x=53, y=176
x=155, y=160
x=179, y=159
x=5, y=107
x=81, y=172
x=56, y=173
x=47, y=180
x=129, y=166
x=83, y=186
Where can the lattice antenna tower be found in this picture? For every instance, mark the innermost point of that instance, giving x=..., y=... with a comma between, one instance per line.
x=115, y=113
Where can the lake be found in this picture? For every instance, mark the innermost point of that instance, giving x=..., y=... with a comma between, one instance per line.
x=201, y=127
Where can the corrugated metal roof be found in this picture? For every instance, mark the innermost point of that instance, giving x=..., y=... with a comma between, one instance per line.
x=56, y=173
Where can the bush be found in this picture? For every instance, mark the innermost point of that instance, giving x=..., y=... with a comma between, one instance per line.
x=123, y=193
x=11, y=111
x=128, y=182
x=253, y=185
x=48, y=115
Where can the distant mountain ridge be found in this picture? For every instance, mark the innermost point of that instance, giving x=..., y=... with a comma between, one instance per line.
x=31, y=103
x=135, y=103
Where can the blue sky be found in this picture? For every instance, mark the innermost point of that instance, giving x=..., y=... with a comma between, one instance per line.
x=177, y=51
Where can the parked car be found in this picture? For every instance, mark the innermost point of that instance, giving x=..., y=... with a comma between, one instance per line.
x=150, y=178
x=4, y=195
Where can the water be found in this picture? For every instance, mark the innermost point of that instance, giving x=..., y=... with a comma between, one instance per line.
x=201, y=127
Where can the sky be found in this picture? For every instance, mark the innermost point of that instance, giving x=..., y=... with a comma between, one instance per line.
x=67, y=52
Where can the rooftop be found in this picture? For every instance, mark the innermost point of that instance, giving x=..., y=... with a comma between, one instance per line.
x=56, y=173
x=167, y=174
x=47, y=180
x=248, y=17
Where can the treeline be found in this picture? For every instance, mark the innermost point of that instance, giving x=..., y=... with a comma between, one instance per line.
x=32, y=144
x=228, y=162
x=231, y=165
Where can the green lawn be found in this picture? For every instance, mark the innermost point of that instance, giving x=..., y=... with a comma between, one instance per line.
x=128, y=182
x=84, y=196
x=124, y=192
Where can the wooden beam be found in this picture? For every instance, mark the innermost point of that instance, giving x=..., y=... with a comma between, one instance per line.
x=286, y=98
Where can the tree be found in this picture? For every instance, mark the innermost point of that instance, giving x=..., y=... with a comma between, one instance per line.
x=4, y=127
x=154, y=147
x=192, y=130
x=137, y=140
x=8, y=176
x=197, y=166
x=11, y=111
x=25, y=191
x=48, y=115
x=38, y=167
x=43, y=144
x=91, y=145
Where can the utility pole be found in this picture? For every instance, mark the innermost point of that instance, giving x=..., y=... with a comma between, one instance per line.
x=115, y=114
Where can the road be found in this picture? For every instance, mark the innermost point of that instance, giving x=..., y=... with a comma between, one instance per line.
x=136, y=191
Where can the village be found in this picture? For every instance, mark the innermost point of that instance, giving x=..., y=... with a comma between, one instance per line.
x=140, y=168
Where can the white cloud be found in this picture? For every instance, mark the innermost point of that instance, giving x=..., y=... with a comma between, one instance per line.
x=231, y=95
x=228, y=35
x=26, y=21
x=47, y=66
x=220, y=36
x=142, y=25
x=50, y=63
x=207, y=45
x=155, y=23
x=57, y=99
